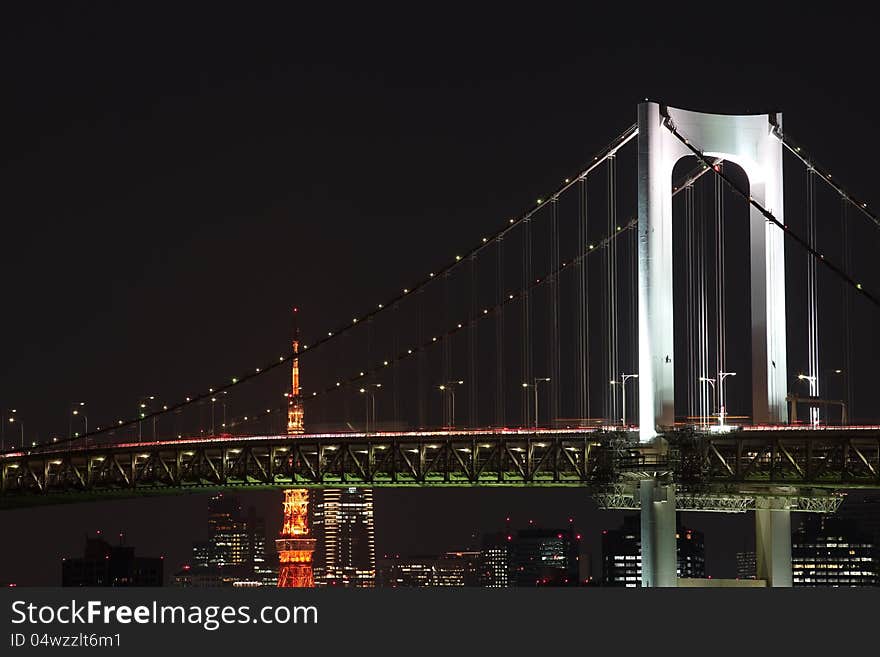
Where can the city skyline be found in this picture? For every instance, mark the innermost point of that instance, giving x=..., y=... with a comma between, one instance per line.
x=490, y=293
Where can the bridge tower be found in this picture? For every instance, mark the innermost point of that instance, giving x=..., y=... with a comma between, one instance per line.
x=752, y=142
x=295, y=546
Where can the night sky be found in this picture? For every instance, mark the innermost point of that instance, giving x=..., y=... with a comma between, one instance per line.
x=175, y=179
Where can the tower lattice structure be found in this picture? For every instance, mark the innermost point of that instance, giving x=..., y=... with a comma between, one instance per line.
x=295, y=410
x=295, y=546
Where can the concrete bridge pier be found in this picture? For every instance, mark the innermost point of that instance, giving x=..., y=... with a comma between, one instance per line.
x=773, y=544
x=659, y=558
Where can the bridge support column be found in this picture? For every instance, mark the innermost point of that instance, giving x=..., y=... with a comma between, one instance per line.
x=773, y=546
x=659, y=559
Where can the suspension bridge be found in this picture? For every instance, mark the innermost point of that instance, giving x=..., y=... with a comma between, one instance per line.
x=686, y=323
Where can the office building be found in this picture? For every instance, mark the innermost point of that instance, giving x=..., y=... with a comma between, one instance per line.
x=832, y=552
x=746, y=565
x=495, y=554
x=545, y=557
x=103, y=564
x=622, y=554
x=450, y=569
x=342, y=524
x=235, y=550
x=864, y=510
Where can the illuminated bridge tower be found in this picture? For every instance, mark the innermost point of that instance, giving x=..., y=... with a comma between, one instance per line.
x=753, y=143
x=295, y=546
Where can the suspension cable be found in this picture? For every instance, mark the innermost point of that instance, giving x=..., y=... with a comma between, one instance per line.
x=812, y=297
x=611, y=149
x=825, y=177
x=454, y=329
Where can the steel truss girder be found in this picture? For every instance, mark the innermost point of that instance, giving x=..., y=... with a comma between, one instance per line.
x=487, y=461
x=837, y=459
x=717, y=472
x=625, y=496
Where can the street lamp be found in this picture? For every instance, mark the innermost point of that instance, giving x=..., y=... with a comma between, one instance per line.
x=623, y=379
x=16, y=418
x=535, y=386
x=142, y=406
x=372, y=405
x=79, y=410
x=825, y=373
x=224, y=409
x=449, y=387
x=814, y=392
x=711, y=382
x=213, y=401
x=722, y=411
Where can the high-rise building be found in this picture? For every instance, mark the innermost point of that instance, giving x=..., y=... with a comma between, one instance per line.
x=691, y=553
x=234, y=552
x=833, y=552
x=864, y=510
x=103, y=564
x=746, y=565
x=545, y=557
x=451, y=569
x=622, y=554
x=345, y=554
x=495, y=554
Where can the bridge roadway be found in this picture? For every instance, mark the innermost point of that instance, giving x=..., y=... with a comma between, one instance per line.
x=794, y=467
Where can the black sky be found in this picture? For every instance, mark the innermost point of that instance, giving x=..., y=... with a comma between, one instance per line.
x=174, y=178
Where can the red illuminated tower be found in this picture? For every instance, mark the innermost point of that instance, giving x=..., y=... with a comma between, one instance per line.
x=295, y=412
x=295, y=546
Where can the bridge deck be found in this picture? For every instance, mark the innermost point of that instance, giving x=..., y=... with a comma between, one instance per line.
x=757, y=461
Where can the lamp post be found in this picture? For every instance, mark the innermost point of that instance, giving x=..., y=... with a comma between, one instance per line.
x=711, y=382
x=371, y=407
x=213, y=401
x=141, y=410
x=814, y=392
x=79, y=410
x=623, y=379
x=16, y=418
x=722, y=411
x=449, y=387
x=535, y=386
x=223, y=404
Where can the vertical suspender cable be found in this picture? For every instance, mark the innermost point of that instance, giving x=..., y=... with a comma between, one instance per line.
x=720, y=315
x=707, y=393
x=499, y=337
x=555, y=379
x=693, y=383
x=812, y=298
x=446, y=358
x=633, y=316
x=526, y=321
x=395, y=374
x=582, y=345
x=611, y=276
x=472, y=384
x=847, y=310
x=422, y=356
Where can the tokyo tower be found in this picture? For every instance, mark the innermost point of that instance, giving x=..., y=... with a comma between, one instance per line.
x=295, y=546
